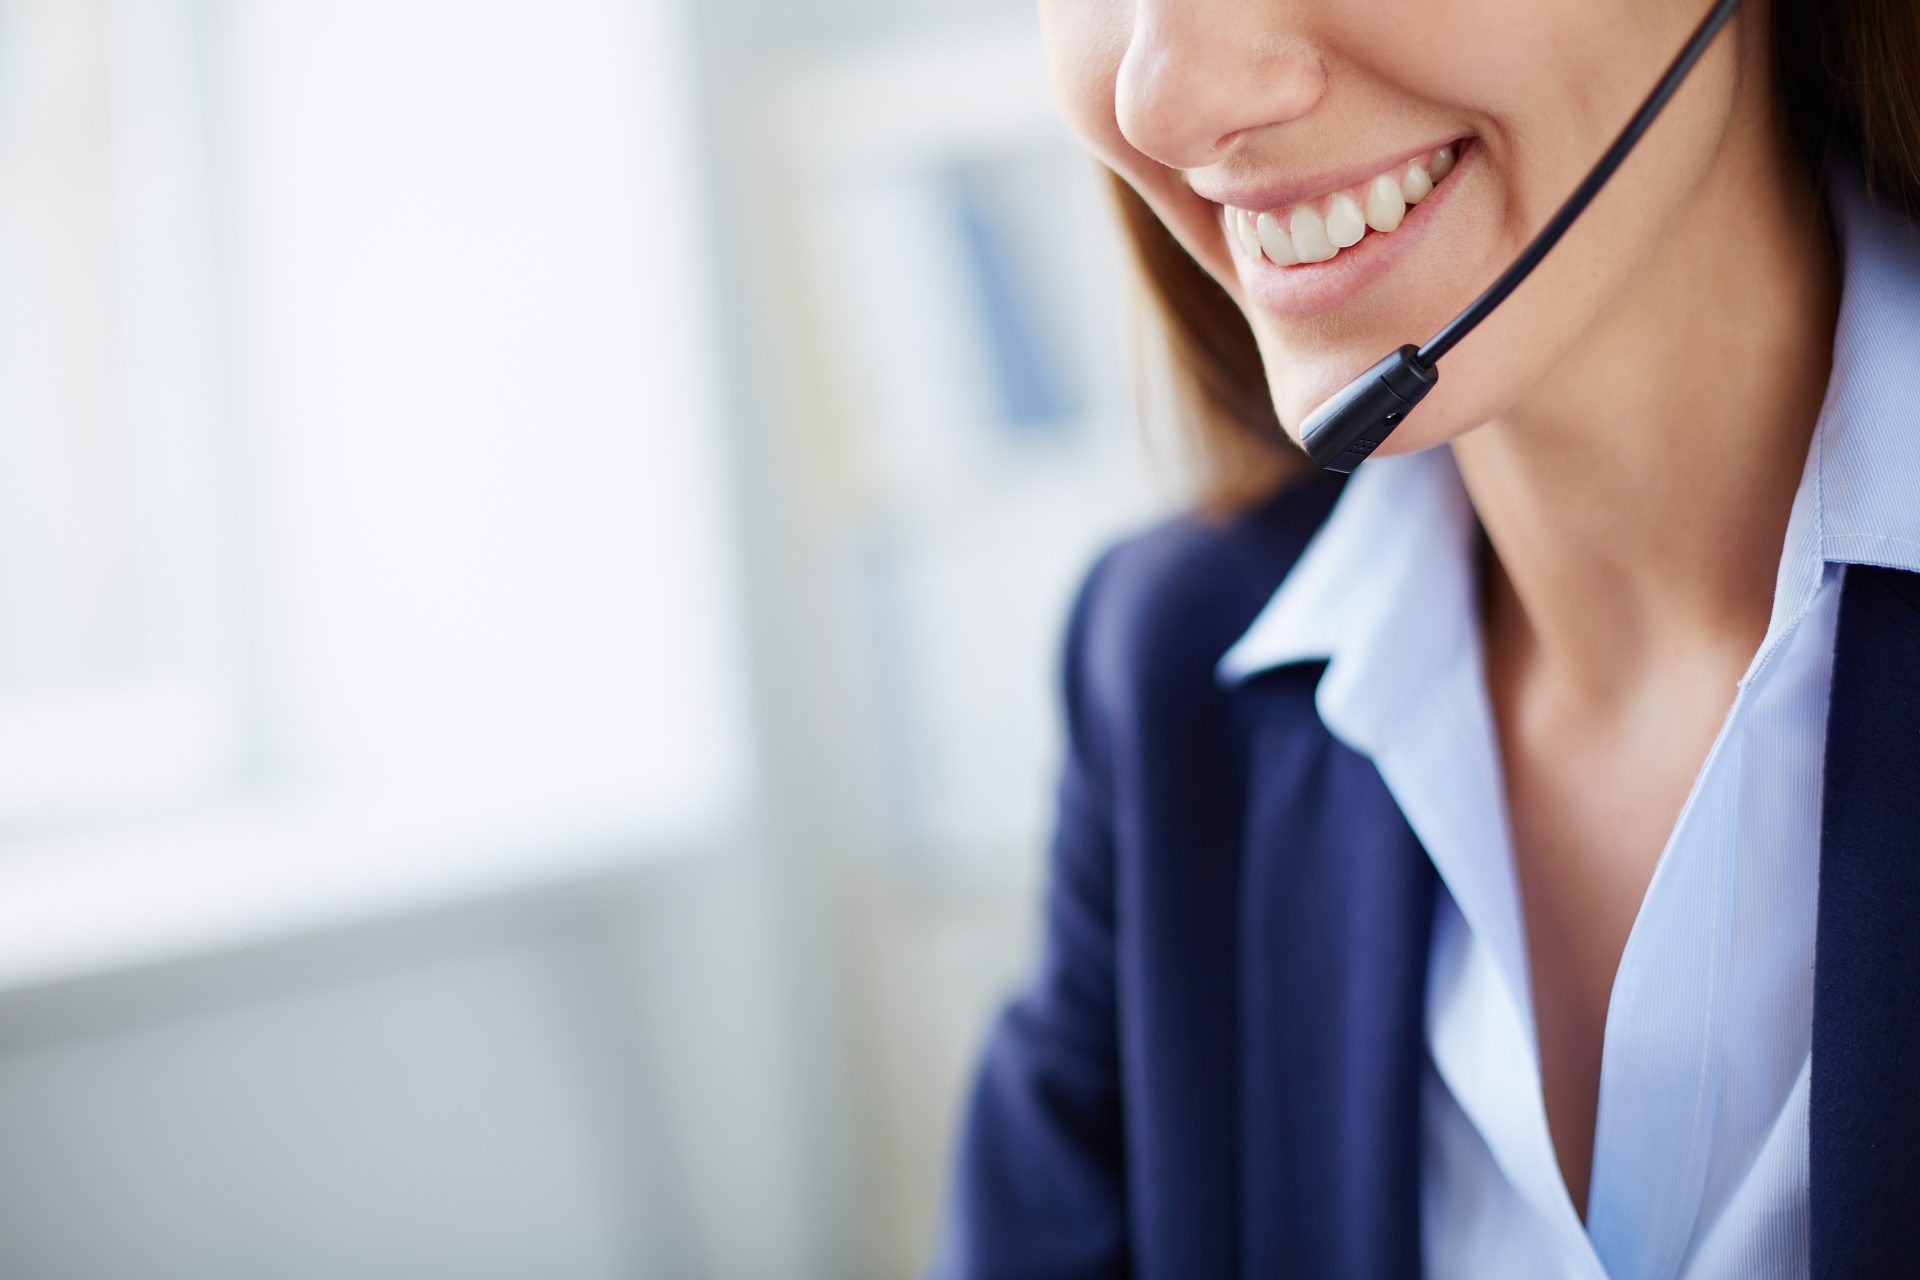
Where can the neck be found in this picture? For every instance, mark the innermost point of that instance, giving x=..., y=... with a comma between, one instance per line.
x=1635, y=503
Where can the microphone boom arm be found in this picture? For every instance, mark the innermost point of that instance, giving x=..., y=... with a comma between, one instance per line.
x=1341, y=433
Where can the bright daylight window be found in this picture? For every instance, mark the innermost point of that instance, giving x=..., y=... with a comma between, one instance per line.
x=361, y=527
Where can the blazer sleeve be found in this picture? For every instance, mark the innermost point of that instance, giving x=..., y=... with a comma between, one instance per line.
x=1038, y=1187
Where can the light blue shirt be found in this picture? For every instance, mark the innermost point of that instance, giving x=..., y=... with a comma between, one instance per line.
x=1700, y=1142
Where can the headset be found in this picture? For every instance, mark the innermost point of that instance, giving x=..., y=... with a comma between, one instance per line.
x=1352, y=424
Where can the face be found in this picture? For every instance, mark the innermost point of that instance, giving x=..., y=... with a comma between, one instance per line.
x=1268, y=134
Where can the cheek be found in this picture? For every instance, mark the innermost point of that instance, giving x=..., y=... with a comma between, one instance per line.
x=1084, y=44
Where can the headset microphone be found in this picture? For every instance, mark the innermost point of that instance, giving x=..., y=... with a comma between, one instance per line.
x=1342, y=432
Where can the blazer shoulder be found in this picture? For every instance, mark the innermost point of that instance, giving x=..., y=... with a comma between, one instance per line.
x=1162, y=604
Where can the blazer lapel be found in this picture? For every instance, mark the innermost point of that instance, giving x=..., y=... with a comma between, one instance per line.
x=1336, y=915
x=1336, y=918
x=1864, y=1108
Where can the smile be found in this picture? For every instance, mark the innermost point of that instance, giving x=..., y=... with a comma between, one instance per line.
x=1316, y=230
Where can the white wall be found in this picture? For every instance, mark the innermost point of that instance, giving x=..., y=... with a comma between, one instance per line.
x=567, y=1085
x=444, y=1110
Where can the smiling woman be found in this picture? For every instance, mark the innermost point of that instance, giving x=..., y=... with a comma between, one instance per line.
x=1835, y=65
x=1439, y=852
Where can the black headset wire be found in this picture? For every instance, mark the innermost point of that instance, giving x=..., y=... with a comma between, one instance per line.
x=1463, y=324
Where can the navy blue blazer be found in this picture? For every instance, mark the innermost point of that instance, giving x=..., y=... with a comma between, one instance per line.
x=1214, y=1069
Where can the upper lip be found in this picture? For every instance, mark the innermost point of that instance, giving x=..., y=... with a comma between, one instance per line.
x=1257, y=196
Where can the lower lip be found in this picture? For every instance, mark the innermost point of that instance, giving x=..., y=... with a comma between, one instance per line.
x=1314, y=288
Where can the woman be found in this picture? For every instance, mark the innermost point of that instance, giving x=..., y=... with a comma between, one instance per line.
x=1441, y=852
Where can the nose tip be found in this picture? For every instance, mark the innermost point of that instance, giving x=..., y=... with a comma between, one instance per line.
x=1189, y=87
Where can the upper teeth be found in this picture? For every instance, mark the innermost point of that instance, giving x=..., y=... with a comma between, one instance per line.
x=1316, y=230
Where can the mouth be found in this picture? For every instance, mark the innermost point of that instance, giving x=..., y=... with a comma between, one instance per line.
x=1312, y=254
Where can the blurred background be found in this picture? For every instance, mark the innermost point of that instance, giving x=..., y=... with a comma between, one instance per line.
x=533, y=541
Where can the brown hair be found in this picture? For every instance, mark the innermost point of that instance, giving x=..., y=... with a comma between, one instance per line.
x=1847, y=74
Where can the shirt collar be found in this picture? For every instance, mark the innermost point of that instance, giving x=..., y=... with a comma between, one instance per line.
x=1386, y=589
